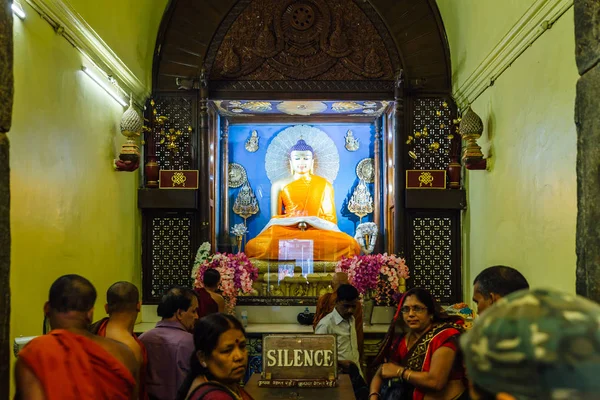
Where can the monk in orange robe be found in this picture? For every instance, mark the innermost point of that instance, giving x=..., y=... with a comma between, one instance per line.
x=70, y=362
x=303, y=208
x=122, y=306
x=326, y=303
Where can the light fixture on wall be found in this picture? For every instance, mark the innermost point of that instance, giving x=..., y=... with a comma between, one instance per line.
x=104, y=85
x=18, y=10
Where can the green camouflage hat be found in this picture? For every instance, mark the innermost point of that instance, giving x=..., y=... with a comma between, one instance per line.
x=536, y=344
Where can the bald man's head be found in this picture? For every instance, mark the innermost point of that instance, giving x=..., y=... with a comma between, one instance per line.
x=122, y=297
x=339, y=278
x=72, y=293
x=70, y=302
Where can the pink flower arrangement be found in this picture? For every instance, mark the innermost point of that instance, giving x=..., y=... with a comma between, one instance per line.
x=237, y=275
x=376, y=274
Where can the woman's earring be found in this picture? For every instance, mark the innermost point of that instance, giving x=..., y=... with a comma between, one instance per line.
x=203, y=364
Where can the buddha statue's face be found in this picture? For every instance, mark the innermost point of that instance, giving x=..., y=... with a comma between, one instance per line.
x=301, y=162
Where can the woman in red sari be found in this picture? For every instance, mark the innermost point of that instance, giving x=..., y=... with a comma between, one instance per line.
x=421, y=362
x=219, y=362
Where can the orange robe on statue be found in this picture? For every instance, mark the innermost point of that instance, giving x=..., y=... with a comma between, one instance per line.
x=310, y=196
x=71, y=366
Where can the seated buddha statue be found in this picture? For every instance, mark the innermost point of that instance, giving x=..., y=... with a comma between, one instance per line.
x=302, y=208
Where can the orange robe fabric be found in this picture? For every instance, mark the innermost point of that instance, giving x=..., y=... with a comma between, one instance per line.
x=307, y=196
x=143, y=395
x=73, y=367
x=325, y=305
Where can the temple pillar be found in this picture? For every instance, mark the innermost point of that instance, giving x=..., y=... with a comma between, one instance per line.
x=377, y=187
x=587, y=119
x=224, y=228
x=6, y=99
x=400, y=156
x=204, y=206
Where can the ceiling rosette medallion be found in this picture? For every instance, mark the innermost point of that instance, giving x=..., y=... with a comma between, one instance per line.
x=302, y=39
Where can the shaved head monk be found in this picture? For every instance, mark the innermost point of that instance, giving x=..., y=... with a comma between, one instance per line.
x=326, y=304
x=122, y=306
x=70, y=362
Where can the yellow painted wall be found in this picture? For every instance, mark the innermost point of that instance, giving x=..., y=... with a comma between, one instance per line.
x=129, y=27
x=522, y=213
x=70, y=211
x=474, y=27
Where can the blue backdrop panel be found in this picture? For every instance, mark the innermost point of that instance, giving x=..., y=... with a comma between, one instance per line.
x=254, y=163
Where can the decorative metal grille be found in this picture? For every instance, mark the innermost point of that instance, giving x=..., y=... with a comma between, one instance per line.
x=432, y=257
x=432, y=117
x=254, y=346
x=179, y=111
x=171, y=253
x=385, y=87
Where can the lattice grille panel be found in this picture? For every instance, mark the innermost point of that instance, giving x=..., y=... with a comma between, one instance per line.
x=433, y=117
x=171, y=253
x=379, y=86
x=432, y=256
x=179, y=111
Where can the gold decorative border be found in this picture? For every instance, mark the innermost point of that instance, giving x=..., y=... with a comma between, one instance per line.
x=318, y=266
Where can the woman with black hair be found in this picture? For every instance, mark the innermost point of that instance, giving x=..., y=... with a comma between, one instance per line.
x=421, y=362
x=219, y=362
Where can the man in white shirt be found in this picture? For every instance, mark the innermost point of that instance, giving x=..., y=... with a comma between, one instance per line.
x=340, y=322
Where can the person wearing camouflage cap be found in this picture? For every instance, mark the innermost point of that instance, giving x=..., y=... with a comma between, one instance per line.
x=535, y=344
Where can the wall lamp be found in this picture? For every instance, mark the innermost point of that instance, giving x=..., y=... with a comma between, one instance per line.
x=101, y=82
x=17, y=10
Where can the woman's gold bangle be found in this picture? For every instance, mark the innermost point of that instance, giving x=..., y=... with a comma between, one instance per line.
x=408, y=376
x=398, y=372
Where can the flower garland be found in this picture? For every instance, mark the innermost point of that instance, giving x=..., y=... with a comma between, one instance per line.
x=237, y=274
x=201, y=256
x=377, y=274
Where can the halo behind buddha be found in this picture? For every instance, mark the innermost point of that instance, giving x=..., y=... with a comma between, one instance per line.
x=327, y=159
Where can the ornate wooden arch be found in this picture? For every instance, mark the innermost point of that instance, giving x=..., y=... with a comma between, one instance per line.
x=238, y=50
x=305, y=46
